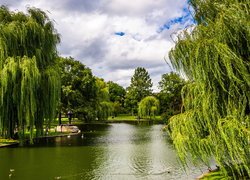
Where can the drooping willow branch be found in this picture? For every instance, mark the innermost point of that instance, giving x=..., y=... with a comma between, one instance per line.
x=215, y=56
x=29, y=83
x=148, y=107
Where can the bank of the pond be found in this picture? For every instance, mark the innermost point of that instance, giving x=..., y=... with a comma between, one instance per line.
x=84, y=128
x=2, y=145
x=8, y=142
x=137, y=122
x=134, y=120
x=59, y=135
x=216, y=174
x=51, y=134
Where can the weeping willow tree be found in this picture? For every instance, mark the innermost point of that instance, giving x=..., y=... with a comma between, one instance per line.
x=215, y=57
x=148, y=107
x=104, y=110
x=103, y=105
x=29, y=82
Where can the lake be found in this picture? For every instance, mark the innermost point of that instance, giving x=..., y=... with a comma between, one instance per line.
x=118, y=151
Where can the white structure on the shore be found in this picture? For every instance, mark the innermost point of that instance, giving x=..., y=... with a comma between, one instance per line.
x=67, y=128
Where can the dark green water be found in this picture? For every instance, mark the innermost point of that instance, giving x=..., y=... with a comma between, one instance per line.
x=120, y=151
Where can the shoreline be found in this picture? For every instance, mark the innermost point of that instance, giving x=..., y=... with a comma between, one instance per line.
x=108, y=122
x=136, y=121
x=3, y=145
x=12, y=144
x=59, y=135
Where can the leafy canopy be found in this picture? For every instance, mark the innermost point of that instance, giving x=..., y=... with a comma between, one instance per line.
x=215, y=57
x=148, y=107
x=140, y=87
x=29, y=79
x=117, y=94
x=104, y=106
x=78, y=91
x=169, y=96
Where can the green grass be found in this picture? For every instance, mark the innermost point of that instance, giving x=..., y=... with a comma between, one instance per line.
x=125, y=117
x=5, y=142
x=65, y=120
x=215, y=176
x=53, y=133
x=158, y=118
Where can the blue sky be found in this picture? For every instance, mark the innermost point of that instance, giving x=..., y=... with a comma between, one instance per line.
x=119, y=33
x=113, y=37
x=184, y=21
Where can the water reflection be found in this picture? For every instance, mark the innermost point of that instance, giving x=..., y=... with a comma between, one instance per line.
x=120, y=151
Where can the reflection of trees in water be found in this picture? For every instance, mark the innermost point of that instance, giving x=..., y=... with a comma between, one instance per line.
x=121, y=151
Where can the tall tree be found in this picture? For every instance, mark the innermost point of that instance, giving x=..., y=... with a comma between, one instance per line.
x=169, y=96
x=79, y=90
x=215, y=57
x=29, y=79
x=117, y=94
x=140, y=87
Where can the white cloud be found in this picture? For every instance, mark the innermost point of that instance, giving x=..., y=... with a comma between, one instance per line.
x=87, y=31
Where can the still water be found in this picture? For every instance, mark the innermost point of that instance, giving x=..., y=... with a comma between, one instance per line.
x=119, y=151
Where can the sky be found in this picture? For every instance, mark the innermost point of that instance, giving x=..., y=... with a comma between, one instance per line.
x=113, y=37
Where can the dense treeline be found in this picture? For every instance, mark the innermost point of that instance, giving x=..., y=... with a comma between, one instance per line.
x=91, y=98
x=37, y=86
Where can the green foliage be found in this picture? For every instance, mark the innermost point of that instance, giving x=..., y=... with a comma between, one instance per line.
x=140, y=87
x=170, y=94
x=131, y=103
x=6, y=141
x=117, y=108
x=87, y=96
x=104, y=110
x=217, y=175
x=148, y=107
x=104, y=106
x=215, y=57
x=79, y=90
x=117, y=94
x=123, y=117
x=29, y=83
x=102, y=90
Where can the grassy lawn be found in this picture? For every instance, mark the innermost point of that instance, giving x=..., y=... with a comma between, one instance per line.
x=125, y=117
x=4, y=142
x=65, y=120
x=7, y=140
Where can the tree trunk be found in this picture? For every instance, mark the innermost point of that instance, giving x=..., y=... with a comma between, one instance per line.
x=60, y=118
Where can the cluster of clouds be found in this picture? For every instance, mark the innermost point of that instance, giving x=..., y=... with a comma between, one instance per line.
x=113, y=37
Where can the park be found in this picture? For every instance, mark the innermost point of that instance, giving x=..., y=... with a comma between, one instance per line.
x=59, y=120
